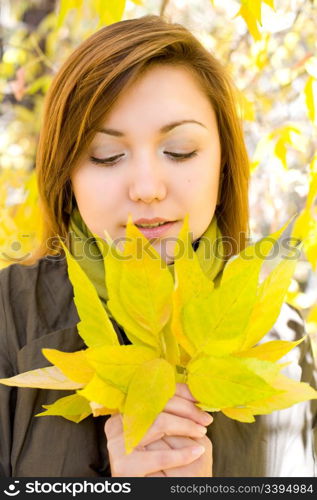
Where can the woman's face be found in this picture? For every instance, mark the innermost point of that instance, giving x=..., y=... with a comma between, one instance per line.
x=157, y=155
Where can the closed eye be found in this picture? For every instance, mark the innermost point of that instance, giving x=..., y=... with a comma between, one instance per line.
x=181, y=156
x=112, y=160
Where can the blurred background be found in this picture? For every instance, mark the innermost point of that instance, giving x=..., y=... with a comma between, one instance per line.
x=269, y=47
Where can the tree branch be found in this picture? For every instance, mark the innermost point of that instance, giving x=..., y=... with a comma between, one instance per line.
x=163, y=7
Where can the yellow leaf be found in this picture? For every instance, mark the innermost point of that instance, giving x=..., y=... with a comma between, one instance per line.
x=280, y=152
x=246, y=108
x=170, y=346
x=240, y=414
x=254, y=7
x=50, y=377
x=65, y=7
x=109, y=11
x=98, y=410
x=190, y=282
x=95, y=327
x=117, y=364
x=270, y=351
x=230, y=381
x=74, y=408
x=311, y=98
x=114, y=270
x=270, y=297
x=293, y=392
x=270, y=3
x=305, y=227
x=250, y=21
x=74, y=365
x=152, y=385
x=215, y=323
x=151, y=306
x=142, y=314
x=98, y=391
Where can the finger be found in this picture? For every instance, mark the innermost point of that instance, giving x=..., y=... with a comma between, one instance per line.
x=175, y=442
x=172, y=425
x=200, y=467
x=162, y=445
x=114, y=426
x=149, y=462
x=183, y=391
x=187, y=409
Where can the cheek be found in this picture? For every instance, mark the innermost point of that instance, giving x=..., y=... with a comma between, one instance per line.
x=93, y=189
x=202, y=186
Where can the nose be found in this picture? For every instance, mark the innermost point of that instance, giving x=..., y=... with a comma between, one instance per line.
x=147, y=182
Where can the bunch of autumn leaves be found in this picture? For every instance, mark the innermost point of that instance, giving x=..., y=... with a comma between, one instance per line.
x=183, y=329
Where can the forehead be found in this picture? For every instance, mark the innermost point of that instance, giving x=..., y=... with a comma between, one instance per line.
x=162, y=90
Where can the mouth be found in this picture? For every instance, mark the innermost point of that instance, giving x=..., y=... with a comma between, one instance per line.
x=157, y=230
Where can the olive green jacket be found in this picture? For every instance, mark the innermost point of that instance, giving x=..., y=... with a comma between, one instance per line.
x=37, y=310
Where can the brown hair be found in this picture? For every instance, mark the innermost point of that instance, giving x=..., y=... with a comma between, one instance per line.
x=89, y=83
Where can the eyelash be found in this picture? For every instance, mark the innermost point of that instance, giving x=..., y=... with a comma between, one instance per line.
x=177, y=157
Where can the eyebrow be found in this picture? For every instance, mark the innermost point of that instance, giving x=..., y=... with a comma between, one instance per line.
x=163, y=130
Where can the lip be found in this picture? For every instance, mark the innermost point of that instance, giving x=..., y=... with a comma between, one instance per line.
x=151, y=221
x=156, y=232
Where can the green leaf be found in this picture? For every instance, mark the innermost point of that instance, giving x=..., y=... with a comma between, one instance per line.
x=74, y=408
x=152, y=385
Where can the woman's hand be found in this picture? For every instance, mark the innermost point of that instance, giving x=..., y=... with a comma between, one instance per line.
x=201, y=467
x=175, y=440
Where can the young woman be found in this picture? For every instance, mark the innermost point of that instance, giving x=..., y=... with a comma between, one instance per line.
x=140, y=119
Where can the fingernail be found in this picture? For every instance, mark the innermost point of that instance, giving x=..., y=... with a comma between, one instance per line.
x=198, y=450
x=202, y=429
x=207, y=418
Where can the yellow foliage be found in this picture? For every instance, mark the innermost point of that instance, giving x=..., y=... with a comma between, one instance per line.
x=305, y=227
x=187, y=330
x=311, y=98
x=21, y=224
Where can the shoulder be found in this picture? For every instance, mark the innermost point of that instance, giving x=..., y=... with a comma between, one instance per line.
x=35, y=300
x=17, y=278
